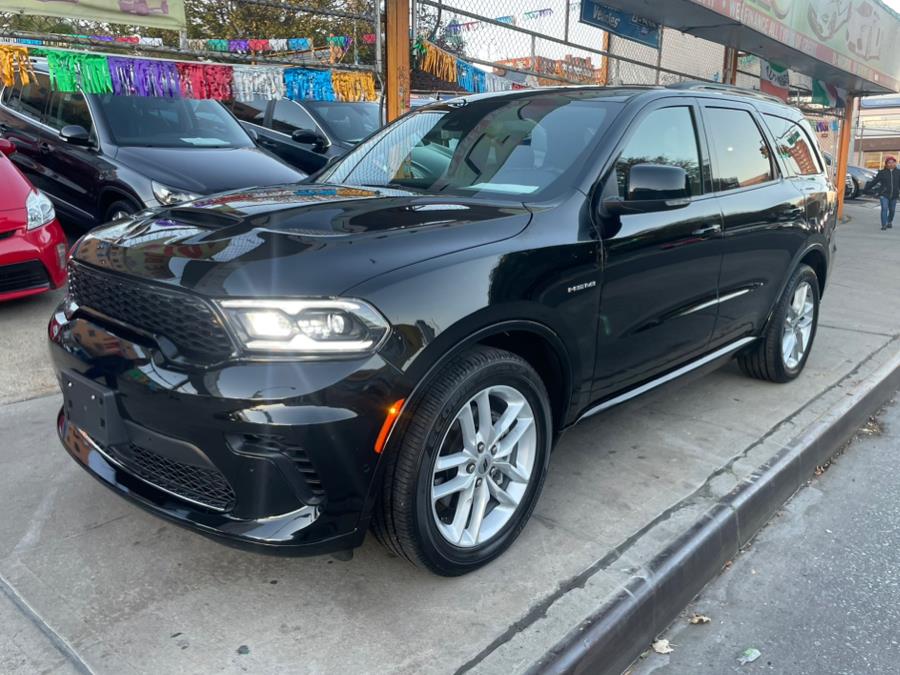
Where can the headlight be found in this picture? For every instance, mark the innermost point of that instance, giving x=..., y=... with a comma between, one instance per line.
x=40, y=210
x=307, y=326
x=169, y=195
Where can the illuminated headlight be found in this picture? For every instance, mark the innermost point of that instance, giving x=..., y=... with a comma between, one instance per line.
x=169, y=195
x=307, y=326
x=40, y=210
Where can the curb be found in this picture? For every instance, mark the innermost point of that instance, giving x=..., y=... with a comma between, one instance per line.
x=613, y=637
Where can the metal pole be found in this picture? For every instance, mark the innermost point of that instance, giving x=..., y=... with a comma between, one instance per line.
x=844, y=153
x=659, y=51
x=730, y=66
x=568, y=9
x=414, y=19
x=182, y=40
x=378, y=45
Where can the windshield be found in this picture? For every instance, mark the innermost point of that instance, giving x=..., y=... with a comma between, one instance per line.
x=156, y=122
x=497, y=145
x=346, y=122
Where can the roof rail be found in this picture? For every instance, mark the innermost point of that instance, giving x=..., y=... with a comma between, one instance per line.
x=727, y=88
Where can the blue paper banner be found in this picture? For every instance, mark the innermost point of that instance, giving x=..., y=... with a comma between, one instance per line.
x=623, y=24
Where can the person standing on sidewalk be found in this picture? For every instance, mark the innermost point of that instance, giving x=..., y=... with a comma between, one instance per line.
x=886, y=185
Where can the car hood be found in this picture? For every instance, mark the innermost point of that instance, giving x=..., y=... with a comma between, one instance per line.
x=208, y=170
x=295, y=240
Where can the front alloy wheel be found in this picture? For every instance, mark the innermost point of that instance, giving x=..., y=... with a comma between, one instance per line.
x=484, y=467
x=462, y=481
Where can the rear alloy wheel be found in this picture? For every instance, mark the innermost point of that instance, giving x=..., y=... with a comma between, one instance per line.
x=781, y=353
x=465, y=477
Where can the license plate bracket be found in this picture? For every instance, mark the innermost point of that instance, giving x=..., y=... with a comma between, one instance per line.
x=93, y=408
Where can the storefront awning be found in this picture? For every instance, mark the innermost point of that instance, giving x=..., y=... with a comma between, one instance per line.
x=852, y=44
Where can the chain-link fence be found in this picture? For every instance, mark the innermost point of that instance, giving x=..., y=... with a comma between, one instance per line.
x=543, y=43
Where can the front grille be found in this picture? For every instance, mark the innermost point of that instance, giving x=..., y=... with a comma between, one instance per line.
x=207, y=487
x=262, y=444
x=23, y=277
x=188, y=322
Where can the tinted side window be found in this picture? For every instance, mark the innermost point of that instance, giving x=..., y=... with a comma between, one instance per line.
x=10, y=96
x=739, y=150
x=66, y=109
x=250, y=111
x=34, y=97
x=793, y=146
x=665, y=136
x=288, y=117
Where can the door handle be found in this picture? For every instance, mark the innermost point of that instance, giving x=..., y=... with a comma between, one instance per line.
x=707, y=230
x=45, y=148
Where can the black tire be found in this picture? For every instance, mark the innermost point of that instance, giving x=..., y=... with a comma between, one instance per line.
x=119, y=206
x=764, y=360
x=403, y=519
x=855, y=193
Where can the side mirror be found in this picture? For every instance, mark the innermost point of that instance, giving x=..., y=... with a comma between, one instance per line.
x=75, y=134
x=310, y=137
x=651, y=187
x=7, y=147
x=251, y=132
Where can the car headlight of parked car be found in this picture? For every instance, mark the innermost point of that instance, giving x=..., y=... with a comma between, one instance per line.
x=340, y=326
x=168, y=195
x=40, y=210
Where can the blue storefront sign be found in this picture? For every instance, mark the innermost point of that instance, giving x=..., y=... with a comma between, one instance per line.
x=623, y=24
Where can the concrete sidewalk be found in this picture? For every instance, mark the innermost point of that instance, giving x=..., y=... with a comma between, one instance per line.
x=131, y=593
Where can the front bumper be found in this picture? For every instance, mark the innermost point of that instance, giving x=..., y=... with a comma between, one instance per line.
x=30, y=262
x=277, y=456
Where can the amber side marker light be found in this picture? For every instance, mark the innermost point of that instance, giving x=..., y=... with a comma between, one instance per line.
x=392, y=414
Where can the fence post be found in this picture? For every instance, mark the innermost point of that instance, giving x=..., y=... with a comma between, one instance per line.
x=730, y=66
x=396, y=88
x=662, y=32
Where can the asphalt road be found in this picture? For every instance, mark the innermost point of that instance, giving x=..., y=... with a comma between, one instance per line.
x=818, y=591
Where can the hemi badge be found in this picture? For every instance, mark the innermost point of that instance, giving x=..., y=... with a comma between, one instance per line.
x=581, y=287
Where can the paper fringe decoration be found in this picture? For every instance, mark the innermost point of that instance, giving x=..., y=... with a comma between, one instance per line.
x=14, y=61
x=258, y=82
x=259, y=46
x=445, y=66
x=306, y=84
x=353, y=86
x=142, y=77
x=126, y=76
x=201, y=80
x=439, y=63
x=71, y=71
x=455, y=27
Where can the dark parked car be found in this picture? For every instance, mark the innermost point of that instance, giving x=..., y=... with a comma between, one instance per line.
x=401, y=342
x=102, y=157
x=308, y=133
x=856, y=180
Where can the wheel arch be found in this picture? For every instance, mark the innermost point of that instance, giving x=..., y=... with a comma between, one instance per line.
x=110, y=194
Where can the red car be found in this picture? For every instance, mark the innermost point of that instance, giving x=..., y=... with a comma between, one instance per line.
x=32, y=244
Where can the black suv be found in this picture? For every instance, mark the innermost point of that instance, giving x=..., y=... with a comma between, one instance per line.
x=400, y=343
x=102, y=157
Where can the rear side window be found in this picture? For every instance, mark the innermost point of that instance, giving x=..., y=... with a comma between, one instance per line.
x=794, y=146
x=33, y=98
x=740, y=154
x=250, y=111
x=665, y=136
x=10, y=96
x=288, y=117
x=68, y=108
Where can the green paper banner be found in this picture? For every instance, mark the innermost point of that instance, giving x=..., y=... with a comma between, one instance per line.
x=154, y=13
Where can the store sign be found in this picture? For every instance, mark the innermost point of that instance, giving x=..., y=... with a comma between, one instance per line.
x=623, y=24
x=857, y=36
x=154, y=13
